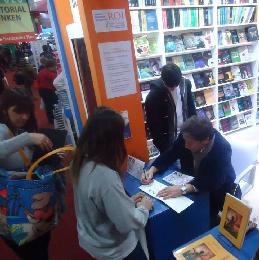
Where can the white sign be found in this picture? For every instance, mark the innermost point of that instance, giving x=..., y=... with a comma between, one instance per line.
x=117, y=67
x=108, y=20
x=75, y=11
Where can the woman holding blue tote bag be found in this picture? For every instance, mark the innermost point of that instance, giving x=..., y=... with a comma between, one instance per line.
x=17, y=136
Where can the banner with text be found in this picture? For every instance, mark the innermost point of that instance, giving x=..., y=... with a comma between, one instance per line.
x=15, y=22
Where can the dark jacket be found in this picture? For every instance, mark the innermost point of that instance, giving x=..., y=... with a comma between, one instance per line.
x=216, y=174
x=161, y=112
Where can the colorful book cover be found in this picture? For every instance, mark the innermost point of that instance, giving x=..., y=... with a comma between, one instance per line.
x=245, y=71
x=205, y=248
x=199, y=98
x=209, y=96
x=179, y=46
x=234, y=220
x=241, y=35
x=234, y=36
x=199, y=80
x=169, y=44
x=236, y=89
x=251, y=33
x=144, y=69
x=225, y=125
x=226, y=108
x=155, y=64
x=234, y=54
x=229, y=91
x=233, y=123
x=201, y=112
x=178, y=60
x=228, y=77
x=250, y=87
x=151, y=20
x=233, y=106
x=199, y=40
x=226, y=58
x=141, y=45
x=241, y=120
x=248, y=117
x=221, y=95
x=135, y=21
x=247, y=102
x=243, y=90
x=236, y=72
x=221, y=111
x=221, y=78
x=209, y=112
x=188, y=61
x=189, y=41
x=153, y=44
x=244, y=53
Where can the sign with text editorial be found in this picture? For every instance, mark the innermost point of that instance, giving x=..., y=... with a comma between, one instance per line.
x=15, y=22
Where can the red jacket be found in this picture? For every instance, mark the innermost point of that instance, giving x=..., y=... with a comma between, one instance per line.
x=45, y=79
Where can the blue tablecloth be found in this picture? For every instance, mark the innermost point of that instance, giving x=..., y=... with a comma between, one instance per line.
x=166, y=229
x=251, y=243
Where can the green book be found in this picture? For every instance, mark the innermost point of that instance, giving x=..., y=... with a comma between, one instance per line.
x=234, y=54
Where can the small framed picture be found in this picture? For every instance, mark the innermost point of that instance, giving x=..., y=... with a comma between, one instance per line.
x=234, y=220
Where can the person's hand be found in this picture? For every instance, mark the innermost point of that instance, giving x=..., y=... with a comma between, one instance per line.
x=147, y=177
x=146, y=202
x=138, y=197
x=42, y=141
x=170, y=192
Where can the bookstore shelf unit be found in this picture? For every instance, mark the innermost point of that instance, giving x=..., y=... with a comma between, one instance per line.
x=215, y=43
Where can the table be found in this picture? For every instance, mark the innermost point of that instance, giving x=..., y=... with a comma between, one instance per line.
x=248, y=250
x=166, y=229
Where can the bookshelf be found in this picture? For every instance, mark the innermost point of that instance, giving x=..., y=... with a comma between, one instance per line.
x=227, y=28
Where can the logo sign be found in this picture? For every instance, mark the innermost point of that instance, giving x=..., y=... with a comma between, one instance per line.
x=109, y=20
x=15, y=22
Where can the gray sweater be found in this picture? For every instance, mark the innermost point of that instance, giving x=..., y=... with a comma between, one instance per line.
x=10, y=158
x=108, y=223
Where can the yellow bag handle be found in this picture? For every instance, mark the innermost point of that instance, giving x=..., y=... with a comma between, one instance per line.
x=35, y=164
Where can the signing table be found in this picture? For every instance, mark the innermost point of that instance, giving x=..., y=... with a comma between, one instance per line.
x=166, y=230
x=246, y=252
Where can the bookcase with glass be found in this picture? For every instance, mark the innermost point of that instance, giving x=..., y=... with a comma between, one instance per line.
x=215, y=43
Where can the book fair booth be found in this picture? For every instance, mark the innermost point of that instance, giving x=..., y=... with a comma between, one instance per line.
x=111, y=51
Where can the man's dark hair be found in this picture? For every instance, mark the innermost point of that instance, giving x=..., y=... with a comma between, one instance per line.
x=171, y=75
x=199, y=128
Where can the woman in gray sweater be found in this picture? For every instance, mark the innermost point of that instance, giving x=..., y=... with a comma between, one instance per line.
x=110, y=224
x=17, y=135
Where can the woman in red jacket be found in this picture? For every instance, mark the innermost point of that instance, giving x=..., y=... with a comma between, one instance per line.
x=46, y=89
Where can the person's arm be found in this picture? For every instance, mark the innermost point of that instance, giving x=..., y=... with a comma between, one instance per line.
x=164, y=160
x=190, y=100
x=216, y=174
x=152, y=108
x=11, y=145
x=121, y=210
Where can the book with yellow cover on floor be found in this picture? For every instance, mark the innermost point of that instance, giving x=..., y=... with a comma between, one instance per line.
x=205, y=248
x=234, y=220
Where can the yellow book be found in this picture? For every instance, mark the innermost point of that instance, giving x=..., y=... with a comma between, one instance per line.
x=209, y=96
x=205, y=248
x=234, y=220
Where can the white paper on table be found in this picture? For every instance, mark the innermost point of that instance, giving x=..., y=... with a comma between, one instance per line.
x=177, y=178
x=177, y=204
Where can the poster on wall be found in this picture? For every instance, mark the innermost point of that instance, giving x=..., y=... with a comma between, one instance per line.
x=108, y=20
x=15, y=22
x=117, y=67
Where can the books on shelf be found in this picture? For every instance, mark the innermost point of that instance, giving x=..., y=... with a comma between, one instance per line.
x=149, y=68
x=186, y=2
x=143, y=20
x=188, y=41
x=236, y=15
x=207, y=246
x=145, y=45
x=199, y=98
x=141, y=3
x=206, y=112
x=251, y=33
x=186, y=17
x=203, y=79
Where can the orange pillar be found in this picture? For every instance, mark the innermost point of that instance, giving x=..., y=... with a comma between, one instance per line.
x=137, y=144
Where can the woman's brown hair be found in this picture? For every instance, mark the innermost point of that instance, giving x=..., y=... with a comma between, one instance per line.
x=101, y=141
x=18, y=97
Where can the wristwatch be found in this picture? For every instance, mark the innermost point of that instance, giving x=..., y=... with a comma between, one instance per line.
x=184, y=189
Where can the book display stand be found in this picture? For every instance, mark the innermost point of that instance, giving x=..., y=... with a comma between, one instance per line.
x=214, y=42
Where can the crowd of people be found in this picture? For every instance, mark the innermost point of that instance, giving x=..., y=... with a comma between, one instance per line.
x=111, y=224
